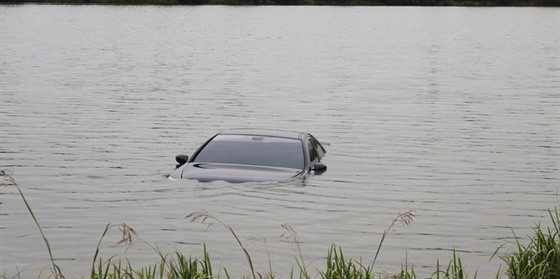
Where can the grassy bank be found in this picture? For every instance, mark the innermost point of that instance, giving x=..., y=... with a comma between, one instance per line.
x=537, y=257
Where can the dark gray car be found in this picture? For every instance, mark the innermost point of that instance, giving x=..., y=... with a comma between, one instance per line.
x=249, y=155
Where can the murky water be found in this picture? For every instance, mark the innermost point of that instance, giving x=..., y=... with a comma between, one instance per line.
x=451, y=112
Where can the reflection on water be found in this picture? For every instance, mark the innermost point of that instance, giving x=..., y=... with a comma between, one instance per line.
x=452, y=112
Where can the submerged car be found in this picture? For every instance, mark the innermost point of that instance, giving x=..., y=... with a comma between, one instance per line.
x=248, y=155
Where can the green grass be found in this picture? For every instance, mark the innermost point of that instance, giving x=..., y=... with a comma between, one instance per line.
x=538, y=259
x=174, y=265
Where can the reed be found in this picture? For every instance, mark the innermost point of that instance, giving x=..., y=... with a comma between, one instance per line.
x=56, y=272
x=404, y=218
x=202, y=216
x=291, y=236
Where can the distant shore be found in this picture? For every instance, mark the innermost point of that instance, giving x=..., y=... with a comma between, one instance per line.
x=467, y=3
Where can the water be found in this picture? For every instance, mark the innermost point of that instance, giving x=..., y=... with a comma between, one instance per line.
x=451, y=112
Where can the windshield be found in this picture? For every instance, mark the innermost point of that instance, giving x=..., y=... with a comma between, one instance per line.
x=253, y=150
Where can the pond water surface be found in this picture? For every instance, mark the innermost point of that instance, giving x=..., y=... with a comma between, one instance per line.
x=451, y=112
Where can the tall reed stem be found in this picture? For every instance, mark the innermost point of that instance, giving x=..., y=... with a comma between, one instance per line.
x=55, y=268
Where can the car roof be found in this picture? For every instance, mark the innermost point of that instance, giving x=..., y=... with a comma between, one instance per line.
x=264, y=132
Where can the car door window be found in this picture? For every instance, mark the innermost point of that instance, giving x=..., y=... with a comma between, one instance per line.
x=319, y=150
x=313, y=156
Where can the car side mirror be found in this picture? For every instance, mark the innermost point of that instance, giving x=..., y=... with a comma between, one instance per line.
x=181, y=160
x=319, y=168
